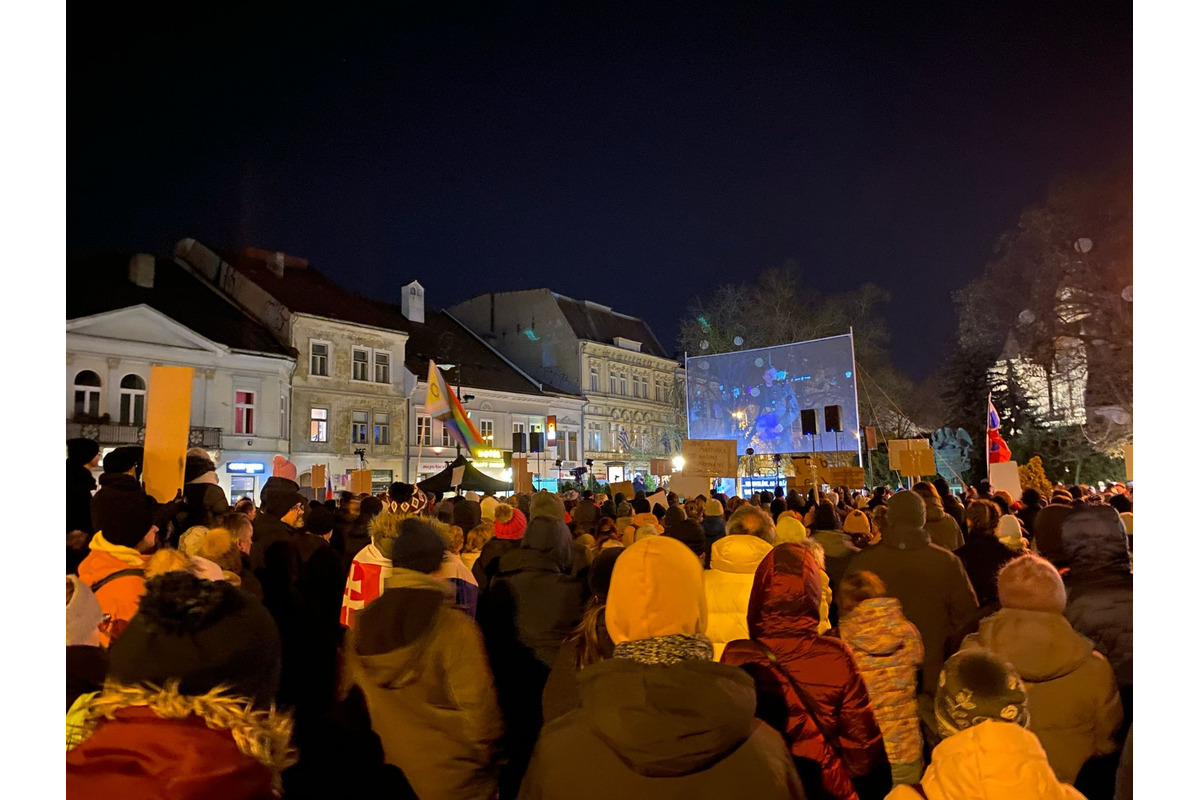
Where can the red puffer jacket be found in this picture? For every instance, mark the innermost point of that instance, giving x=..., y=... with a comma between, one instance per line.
x=783, y=615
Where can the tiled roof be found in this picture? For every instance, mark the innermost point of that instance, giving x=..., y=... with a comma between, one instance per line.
x=98, y=282
x=304, y=290
x=601, y=324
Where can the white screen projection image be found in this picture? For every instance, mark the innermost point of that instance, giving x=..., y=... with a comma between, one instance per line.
x=795, y=398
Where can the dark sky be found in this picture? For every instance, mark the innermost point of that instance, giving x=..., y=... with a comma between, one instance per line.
x=632, y=157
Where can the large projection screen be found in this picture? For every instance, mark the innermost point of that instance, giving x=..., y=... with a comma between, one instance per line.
x=763, y=398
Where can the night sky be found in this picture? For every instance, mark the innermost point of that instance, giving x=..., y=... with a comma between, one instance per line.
x=636, y=158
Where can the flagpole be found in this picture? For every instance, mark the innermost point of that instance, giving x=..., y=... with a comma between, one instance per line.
x=987, y=434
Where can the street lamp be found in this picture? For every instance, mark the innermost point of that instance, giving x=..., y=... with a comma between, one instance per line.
x=677, y=463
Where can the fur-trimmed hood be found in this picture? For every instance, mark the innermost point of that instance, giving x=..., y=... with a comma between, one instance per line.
x=122, y=722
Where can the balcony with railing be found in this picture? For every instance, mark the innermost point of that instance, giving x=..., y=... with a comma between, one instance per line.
x=114, y=434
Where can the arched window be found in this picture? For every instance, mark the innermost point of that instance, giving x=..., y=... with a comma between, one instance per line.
x=133, y=400
x=87, y=393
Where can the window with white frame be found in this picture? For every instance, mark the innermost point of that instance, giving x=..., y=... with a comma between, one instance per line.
x=383, y=429
x=318, y=358
x=318, y=425
x=624, y=385
x=243, y=412
x=424, y=431
x=360, y=364
x=595, y=370
x=284, y=420
x=612, y=382
x=87, y=393
x=660, y=393
x=568, y=445
x=383, y=367
x=487, y=432
x=358, y=427
x=133, y=400
x=446, y=439
x=594, y=443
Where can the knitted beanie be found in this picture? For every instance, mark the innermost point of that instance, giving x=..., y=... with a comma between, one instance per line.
x=278, y=502
x=713, y=508
x=419, y=547
x=1031, y=583
x=472, y=496
x=510, y=522
x=487, y=507
x=674, y=515
x=857, y=522
x=123, y=459
x=788, y=528
x=192, y=540
x=204, y=634
x=1008, y=530
x=83, y=613
x=547, y=504
x=409, y=499
x=81, y=451
x=196, y=465
x=976, y=686
x=691, y=534
x=122, y=512
x=657, y=589
x=282, y=468
x=466, y=514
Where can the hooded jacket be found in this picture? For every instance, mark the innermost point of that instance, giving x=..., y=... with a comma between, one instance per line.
x=888, y=651
x=941, y=527
x=982, y=557
x=783, y=615
x=928, y=580
x=118, y=597
x=1100, y=584
x=1074, y=706
x=637, y=521
x=727, y=585
x=685, y=731
x=1048, y=532
x=422, y=668
x=989, y=761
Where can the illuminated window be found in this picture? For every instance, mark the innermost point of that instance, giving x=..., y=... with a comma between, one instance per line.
x=243, y=413
x=424, y=431
x=383, y=429
x=358, y=427
x=318, y=425
x=487, y=432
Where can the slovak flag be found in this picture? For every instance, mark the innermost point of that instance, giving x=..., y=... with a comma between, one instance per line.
x=998, y=451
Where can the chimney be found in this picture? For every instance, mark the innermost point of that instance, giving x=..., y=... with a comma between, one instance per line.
x=412, y=303
x=141, y=270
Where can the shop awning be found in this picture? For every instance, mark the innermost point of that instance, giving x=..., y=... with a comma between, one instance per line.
x=472, y=481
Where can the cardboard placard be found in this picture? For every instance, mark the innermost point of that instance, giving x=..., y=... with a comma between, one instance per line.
x=660, y=466
x=456, y=475
x=360, y=481
x=869, y=435
x=711, y=458
x=168, y=415
x=622, y=487
x=687, y=486
x=1004, y=476
x=852, y=477
x=1129, y=461
x=912, y=458
x=318, y=481
x=659, y=498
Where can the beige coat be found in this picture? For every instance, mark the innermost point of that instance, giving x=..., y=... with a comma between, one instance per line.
x=1074, y=707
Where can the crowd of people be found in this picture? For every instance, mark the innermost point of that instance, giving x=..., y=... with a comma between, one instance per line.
x=574, y=645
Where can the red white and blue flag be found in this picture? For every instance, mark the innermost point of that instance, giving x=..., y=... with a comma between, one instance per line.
x=998, y=451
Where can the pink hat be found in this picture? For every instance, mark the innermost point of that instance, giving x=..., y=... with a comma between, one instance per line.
x=282, y=468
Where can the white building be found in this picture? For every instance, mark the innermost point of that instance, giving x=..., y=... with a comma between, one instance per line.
x=584, y=348
x=504, y=403
x=349, y=401
x=125, y=315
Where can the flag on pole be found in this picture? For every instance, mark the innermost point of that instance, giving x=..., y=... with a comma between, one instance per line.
x=328, y=482
x=998, y=451
x=441, y=403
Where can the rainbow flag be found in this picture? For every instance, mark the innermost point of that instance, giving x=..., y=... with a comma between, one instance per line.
x=441, y=403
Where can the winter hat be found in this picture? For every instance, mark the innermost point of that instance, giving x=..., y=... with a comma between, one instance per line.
x=860, y=503
x=713, y=508
x=674, y=516
x=510, y=522
x=219, y=547
x=201, y=567
x=624, y=509
x=122, y=512
x=657, y=589
x=487, y=507
x=278, y=502
x=419, y=547
x=857, y=522
x=1127, y=518
x=1009, y=531
x=547, y=504
x=282, y=468
x=83, y=613
x=124, y=459
x=409, y=499
x=472, y=496
x=976, y=686
x=466, y=514
x=788, y=528
x=203, y=634
x=691, y=534
x=196, y=465
x=608, y=509
x=551, y=537
x=601, y=572
x=644, y=531
x=906, y=509
x=81, y=451
x=319, y=520
x=1031, y=583
x=641, y=505
x=192, y=539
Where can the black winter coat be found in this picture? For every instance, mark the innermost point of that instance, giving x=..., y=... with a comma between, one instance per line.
x=982, y=557
x=1100, y=584
x=488, y=562
x=80, y=485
